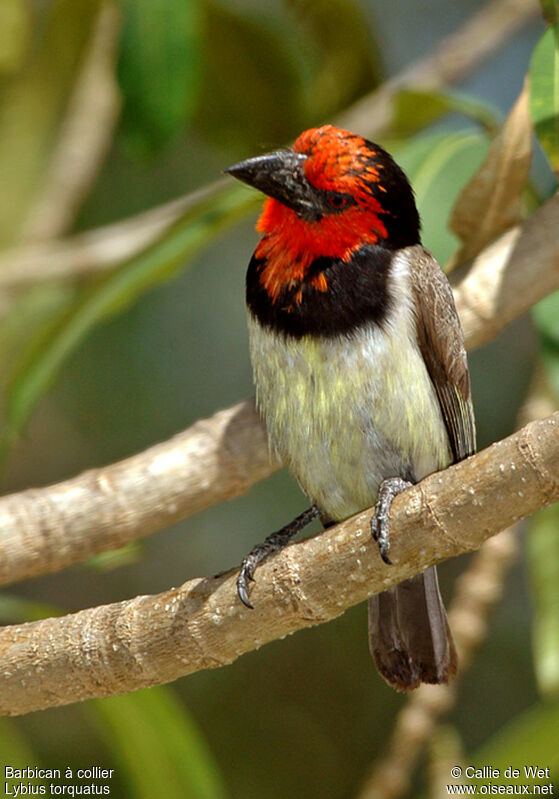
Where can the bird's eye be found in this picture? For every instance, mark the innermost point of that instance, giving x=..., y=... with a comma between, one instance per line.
x=338, y=200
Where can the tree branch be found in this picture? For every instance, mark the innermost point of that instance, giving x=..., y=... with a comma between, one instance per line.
x=155, y=639
x=46, y=529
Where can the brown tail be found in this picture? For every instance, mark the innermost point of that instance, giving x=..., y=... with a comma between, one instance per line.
x=409, y=636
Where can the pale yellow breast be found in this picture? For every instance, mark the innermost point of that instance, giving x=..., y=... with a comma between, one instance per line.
x=345, y=413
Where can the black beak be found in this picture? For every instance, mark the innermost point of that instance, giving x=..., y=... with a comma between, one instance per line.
x=280, y=175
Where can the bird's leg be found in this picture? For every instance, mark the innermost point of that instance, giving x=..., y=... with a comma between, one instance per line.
x=272, y=543
x=380, y=522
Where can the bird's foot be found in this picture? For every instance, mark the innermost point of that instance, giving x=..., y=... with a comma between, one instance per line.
x=380, y=522
x=273, y=543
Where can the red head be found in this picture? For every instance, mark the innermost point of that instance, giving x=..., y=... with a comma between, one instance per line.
x=328, y=196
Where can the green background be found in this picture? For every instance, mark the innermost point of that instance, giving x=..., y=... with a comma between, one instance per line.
x=205, y=83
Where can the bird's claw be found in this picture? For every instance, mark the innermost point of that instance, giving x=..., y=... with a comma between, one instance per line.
x=381, y=535
x=273, y=543
x=246, y=576
x=380, y=522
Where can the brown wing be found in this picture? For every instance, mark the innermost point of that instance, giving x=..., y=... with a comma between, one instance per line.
x=442, y=345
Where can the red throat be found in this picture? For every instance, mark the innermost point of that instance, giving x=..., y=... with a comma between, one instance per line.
x=290, y=244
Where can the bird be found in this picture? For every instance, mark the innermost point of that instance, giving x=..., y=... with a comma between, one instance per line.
x=359, y=364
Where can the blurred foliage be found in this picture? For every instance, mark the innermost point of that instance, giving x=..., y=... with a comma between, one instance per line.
x=159, y=69
x=153, y=728
x=543, y=552
x=247, y=51
x=524, y=742
x=40, y=361
x=15, y=27
x=492, y=201
x=33, y=102
x=438, y=165
x=339, y=74
x=546, y=317
x=550, y=11
x=15, y=749
x=415, y=109
x=299, y=70
x=95, y=367
x=544, y=107
x=14, y=609
x=544, y=87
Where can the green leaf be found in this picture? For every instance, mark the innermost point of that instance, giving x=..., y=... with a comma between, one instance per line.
x=158, y=746
x=543, y=554
x=33, y=104
x=40, y=362
x=544, y=94
x=159, y=69
x=415, y=109
x=529, y=739
x=438, y=165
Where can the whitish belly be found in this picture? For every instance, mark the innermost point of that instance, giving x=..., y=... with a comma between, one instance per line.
x=346, y=413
